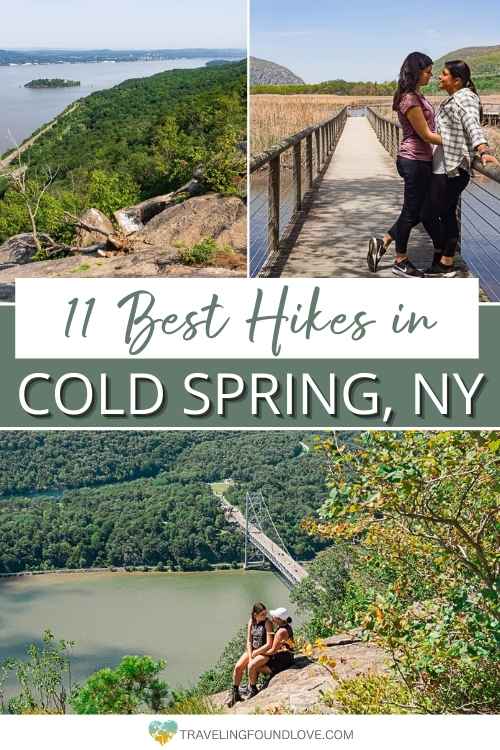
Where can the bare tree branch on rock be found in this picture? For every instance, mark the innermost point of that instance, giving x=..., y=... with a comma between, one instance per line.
x=31, y=191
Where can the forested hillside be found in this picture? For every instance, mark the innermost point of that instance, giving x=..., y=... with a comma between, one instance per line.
x=337, y=87
x=482, y=60
x=141, y=138
x=146, y=522
x=43, y=461
x=169, y=517
x=484, y=63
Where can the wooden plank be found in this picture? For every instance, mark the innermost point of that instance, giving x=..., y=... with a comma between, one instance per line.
x=274, y=204
x=309, y=161
x=359, y=197
x=297, y=174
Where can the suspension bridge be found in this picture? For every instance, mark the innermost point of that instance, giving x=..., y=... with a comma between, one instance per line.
x=317, y=197
x=263, y=542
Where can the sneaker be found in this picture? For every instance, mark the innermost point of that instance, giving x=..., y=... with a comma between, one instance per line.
x=235, y=697
x=439, y=270
x=376, y=250
x=407, y=269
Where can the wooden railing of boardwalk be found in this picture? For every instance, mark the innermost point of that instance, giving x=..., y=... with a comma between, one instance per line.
x=491, y=118
x=387, y=131
x=292, y=168
x=479, y=210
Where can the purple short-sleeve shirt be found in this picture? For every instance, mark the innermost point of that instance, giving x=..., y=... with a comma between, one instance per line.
x=412, y=146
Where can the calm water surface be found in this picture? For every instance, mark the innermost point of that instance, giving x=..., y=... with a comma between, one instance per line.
x=186, y=618
x=23, y=110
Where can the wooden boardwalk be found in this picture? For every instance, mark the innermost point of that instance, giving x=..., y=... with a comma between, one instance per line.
x=359, y=196
x=481, y=233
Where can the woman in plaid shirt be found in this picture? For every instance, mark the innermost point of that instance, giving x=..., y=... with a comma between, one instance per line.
x=458, y=122
x=434, y=160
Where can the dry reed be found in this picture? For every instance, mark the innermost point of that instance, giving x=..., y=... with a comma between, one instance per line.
x=275, y=117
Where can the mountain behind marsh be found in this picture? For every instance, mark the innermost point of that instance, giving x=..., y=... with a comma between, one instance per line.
x=267, y=73
x=482, y=60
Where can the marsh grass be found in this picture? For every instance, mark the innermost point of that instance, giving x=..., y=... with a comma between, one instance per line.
x=276, y=117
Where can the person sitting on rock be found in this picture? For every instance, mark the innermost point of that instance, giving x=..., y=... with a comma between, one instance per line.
x=279, y=656
x=259, y=641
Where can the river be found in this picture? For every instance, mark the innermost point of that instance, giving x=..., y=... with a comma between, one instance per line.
x=23, y=111
x=186, y=618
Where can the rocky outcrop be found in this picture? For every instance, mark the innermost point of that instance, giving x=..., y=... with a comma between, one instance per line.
x=299, y=689
x=207, y=216
x=20, y=249
x=152, y=251
x=146, y=262
x=95, y=218
x=265, y=72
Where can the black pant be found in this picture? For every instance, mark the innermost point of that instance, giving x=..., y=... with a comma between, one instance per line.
x=280, y=661
x=417, y=176
x=445, y=194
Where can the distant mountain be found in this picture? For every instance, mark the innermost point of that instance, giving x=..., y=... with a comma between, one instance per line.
x=266, y=73
x=46, y=56
x=216, y=63
x=482, y=60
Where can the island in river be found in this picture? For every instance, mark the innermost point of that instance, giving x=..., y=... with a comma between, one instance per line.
x=51, y=83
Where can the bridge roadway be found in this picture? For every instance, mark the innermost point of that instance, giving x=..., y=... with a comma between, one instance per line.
x=359, y=196
x=291, y=570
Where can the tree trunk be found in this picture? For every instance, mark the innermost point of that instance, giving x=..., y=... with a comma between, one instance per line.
x=35, y=232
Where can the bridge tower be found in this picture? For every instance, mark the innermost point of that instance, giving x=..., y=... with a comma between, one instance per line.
x=257, y=516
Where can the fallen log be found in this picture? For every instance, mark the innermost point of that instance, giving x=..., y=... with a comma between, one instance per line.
x=118, y=242
x=133, y=219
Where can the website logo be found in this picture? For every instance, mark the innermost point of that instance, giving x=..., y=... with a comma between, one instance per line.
x=163, y=731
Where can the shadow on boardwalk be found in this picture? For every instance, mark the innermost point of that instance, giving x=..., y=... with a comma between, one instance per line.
x=334, y=243
x=360, y=196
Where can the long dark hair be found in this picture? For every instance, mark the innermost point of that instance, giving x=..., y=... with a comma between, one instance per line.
x=460, y=69
x=257, y=608
x=409, y=75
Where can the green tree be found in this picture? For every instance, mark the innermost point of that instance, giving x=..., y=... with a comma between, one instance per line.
x=44, y=679
x=424, y=508
x=323, y=592
x=109, y=191
x=131, y=687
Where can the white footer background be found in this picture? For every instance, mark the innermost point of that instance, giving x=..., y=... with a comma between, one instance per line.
x=353, y=732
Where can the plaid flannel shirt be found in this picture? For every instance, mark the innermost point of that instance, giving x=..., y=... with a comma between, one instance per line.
x=459, y=124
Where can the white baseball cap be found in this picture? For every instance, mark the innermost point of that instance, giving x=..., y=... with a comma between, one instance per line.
x=281, y=613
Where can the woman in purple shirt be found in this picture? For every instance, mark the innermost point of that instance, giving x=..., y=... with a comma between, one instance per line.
x=414, y=164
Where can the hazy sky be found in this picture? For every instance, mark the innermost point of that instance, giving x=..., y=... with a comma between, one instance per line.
x=365, y=39
x=121, y=24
